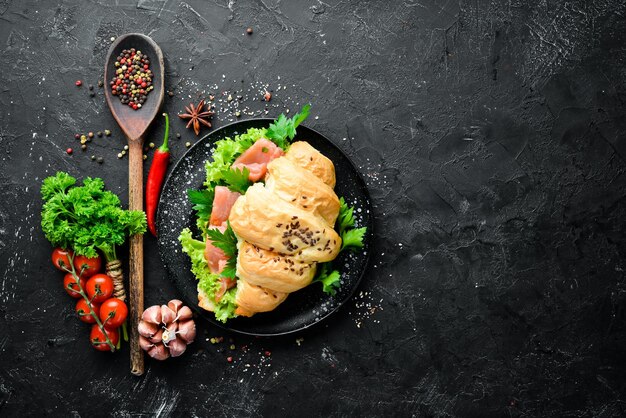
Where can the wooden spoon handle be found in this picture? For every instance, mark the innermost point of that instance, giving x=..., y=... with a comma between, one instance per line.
x=135, y=202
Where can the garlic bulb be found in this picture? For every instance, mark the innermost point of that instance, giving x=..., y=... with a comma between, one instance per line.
x=166, y=330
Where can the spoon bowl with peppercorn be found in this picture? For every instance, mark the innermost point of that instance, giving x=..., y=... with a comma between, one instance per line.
x=134, y=83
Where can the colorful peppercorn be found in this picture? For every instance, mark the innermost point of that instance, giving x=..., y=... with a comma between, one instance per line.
x=133, y=78
x=78, y=83
x=69, y=151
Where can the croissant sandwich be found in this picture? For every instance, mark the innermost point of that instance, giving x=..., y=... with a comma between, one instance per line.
x=273, y=213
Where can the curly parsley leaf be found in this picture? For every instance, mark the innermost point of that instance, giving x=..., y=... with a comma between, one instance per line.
x=330, y=279
x=284, y=128
x=237, y=179
x=86, y=218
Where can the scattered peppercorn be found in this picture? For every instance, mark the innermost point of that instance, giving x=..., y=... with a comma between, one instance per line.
x=187, y=144
x=69, y=151
x=99, y=133
x=78, y=83
x=126, y=147
x=268, y=353
x=267, y=96
x=100, y=83
x=178, y=135
x=232, y=346
x=249, y=31
x=90, y=87
x=170, y=93
x=76, y=136
x=123, y=152
x=133, y=78
x=229, y=359
x=230, y=98
x=119, y=155
x=90, y=134
x=107, y=132
x=151, y=144
x=100, y=160
x=145, y=157
x=83, y=147
x=93, y=157
x=237, y=113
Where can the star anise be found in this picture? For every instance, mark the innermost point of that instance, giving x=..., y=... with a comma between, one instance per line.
x=197, y=116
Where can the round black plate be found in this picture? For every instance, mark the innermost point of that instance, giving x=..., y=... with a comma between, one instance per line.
x=303, y=308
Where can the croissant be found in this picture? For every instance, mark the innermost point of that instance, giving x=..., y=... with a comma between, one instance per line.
x=284, y=228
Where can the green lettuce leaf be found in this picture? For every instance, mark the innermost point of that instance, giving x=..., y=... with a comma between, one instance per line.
x=208, y=282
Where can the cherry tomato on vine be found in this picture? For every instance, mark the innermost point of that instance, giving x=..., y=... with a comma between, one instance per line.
x=91, y=265
x=83, y=312
x=99, y=288
x=98, y=339
x=113, y=313
x=61, y=258
x=71, y=287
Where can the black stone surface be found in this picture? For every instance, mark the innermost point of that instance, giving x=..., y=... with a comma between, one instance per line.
x=492, y=139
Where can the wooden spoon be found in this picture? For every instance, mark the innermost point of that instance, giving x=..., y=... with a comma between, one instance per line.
x=134, y=124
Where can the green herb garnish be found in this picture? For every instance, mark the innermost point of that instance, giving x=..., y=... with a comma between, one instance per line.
x=227, y=242
x=203, y=205
x=237, y=179
x=330, y=279
x=351, y=237
x=284, y=128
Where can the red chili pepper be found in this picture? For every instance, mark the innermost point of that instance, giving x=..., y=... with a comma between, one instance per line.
x=156, y=176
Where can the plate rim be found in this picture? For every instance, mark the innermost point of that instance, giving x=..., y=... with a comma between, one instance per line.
x=206, y=314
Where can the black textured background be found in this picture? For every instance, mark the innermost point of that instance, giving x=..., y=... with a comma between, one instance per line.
x=491, y=136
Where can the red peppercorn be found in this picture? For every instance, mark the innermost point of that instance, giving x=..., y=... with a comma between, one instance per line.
x=267, y=96
x=76, y=136
x=229, y=359
x=78, y=83
x=69, y=151
x=268, y=353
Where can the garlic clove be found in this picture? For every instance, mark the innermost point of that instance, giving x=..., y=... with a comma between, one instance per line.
x=187, y=330
x=167, y=314
x=159, y=352
x=147, y=329
x=171, y=328
x=175, y=305
x=145, y=343
x=158, y=337
x=177, y=347
x=184, y=313
x=152, y=314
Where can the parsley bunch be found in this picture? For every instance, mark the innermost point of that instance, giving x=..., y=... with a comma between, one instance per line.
x=86, y=218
